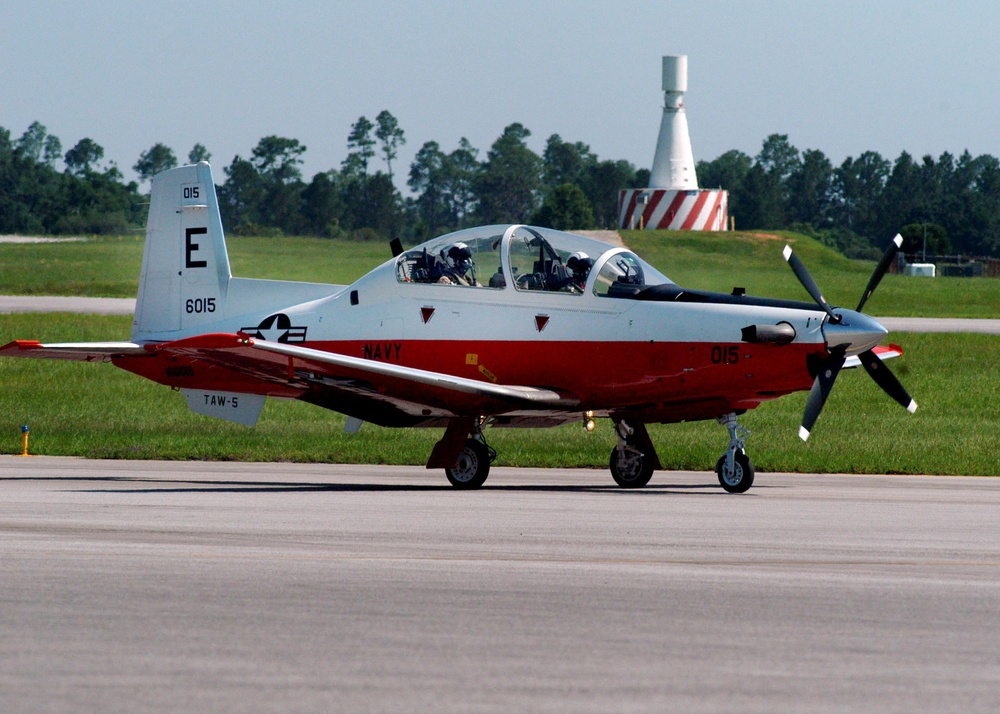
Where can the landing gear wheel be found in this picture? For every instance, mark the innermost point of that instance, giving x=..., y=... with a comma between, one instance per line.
x=742, y=477
x=630, y=468
x=472, y=466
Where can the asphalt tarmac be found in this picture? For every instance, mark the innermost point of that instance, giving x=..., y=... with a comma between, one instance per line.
x=190, y=586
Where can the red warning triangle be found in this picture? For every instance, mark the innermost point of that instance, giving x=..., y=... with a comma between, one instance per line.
x=541, y=321
x=426, y=313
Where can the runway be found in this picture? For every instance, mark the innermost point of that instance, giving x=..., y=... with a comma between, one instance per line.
x=190, y=586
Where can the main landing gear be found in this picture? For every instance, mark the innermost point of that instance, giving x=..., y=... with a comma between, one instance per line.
x=633, y=459
x=463, y=454
x=473, y=464
x=734, y=468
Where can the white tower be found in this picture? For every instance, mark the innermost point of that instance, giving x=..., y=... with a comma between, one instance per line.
x=673, y=200
x=673, y=164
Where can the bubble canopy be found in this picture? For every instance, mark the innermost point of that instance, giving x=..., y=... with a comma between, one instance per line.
x=527, y=259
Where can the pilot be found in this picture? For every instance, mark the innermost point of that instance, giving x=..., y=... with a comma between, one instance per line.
x=498, y=280
x=580, y=263
x=459, y=268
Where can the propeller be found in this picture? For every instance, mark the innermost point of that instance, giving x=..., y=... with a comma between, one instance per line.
x=822, y=385
x=829, y=368
x=881, y=268
x=799, y=268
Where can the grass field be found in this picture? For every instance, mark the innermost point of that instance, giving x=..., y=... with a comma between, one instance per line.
x=109, y=267
x=99, y=411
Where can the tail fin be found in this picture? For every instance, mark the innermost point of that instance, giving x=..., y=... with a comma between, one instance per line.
x=185, y=268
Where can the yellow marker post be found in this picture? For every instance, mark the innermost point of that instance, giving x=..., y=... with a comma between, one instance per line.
x=24, y=439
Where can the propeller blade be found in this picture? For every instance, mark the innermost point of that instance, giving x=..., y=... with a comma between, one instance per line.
x=819, y=392
x=884, y=378
x=799, y=268
x=883, y=265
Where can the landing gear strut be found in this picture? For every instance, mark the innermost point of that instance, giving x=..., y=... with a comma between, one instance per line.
x=633, y=460
x=735, y=469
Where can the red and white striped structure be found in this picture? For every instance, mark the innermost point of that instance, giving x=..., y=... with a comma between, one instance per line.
x=674, y=202
x=667, y=209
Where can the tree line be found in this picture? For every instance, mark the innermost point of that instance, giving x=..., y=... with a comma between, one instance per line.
x=854, y=207
x=858, y=205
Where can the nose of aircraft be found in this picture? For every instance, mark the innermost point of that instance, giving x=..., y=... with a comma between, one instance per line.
x=855, y=332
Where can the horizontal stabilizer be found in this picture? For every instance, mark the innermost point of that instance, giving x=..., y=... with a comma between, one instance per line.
x=78, y=351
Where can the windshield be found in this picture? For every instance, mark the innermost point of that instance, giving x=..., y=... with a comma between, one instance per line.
x=465, y=258
x=528, y=259
x=624, y=274
x=550, y=261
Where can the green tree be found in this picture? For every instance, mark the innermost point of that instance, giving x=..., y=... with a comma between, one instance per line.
x=777, y=156
x=198, y=153
x=241, y=197
x=858, y=187
x=985, y=208
x=761, y=200
x=53, y=150
x=810, y=189
x=156, y=159
x=508, y=187
x=390, y=136
x=918, y=235
x=565, y=208
x=372, y=207
x=81, y=158
x=429, y=181
x=360, y=143
x=566, y=163
x=779, y=161
x=323, y=206
x=601, y=184
x=277, y=159
x=903, y=200
x=728, y=171
x=463, y=169
x=32, y=142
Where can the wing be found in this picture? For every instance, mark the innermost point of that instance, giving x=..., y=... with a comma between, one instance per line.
x=375, y=391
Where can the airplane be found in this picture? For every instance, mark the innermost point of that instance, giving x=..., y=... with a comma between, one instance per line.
x=488, y=327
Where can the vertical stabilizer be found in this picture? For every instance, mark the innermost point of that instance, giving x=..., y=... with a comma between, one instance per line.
x=185, y=268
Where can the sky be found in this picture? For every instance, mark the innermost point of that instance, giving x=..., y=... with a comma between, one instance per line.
x=843, y=77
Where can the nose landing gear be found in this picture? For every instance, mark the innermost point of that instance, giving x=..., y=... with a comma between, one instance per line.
x=734, y=468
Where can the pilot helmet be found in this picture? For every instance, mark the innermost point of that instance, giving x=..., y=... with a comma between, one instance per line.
x=580, y=263
x=460, y=257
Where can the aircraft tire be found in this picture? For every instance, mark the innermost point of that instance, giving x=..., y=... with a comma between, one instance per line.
x=629, y=469
x=472, y=467
x=742, y=478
